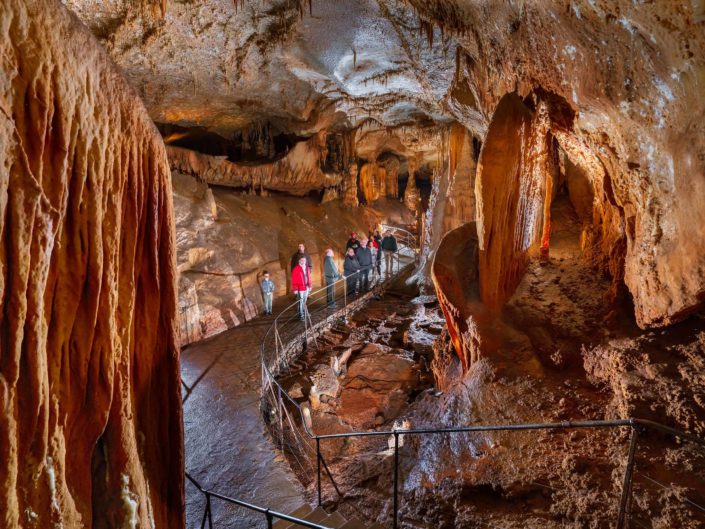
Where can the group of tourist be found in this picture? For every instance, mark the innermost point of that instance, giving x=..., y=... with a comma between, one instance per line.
x=363, y=256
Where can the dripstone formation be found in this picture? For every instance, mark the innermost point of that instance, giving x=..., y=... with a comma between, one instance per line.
x=90, y=408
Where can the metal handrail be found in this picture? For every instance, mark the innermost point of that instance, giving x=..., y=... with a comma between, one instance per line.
x=269, y=513
x=636, y=427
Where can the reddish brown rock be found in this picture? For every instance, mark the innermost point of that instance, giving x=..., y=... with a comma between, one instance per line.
x=511, y=184
x=90, y=426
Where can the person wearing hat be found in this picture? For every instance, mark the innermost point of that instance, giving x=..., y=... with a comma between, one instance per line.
x=353, y=242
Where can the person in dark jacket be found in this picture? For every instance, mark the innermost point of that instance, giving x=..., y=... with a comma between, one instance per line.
x=351, y=267
x=377, y=243
x=301, y=252
x=364, y=258
x=353, y=242
x=330, y=271
x=389, y=247
x=267, y=286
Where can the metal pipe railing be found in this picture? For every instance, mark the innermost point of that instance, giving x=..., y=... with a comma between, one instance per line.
x=269, y=514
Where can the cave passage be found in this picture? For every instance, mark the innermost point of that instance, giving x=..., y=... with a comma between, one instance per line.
x=182, y=294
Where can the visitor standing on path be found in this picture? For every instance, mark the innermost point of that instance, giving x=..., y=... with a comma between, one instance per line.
x=301, y=284
x=353, y=242
x=351, y=267
x=267, y=286
x=301, y=252
x=364, y=259
x=377, y=243
x=331, y=273
x=389, y=247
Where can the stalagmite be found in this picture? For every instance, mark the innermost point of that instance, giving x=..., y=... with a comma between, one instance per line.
x=90, y=426
x=412, y=199
x=350, y=192
x=391, y=168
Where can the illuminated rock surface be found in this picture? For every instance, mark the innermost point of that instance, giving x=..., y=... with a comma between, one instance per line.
x=552, y=156
x=90, y=414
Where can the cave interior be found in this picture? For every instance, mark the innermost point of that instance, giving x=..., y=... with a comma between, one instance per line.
x=542, y=164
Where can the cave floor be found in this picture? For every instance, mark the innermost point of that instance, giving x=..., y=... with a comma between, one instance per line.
x=227, y=448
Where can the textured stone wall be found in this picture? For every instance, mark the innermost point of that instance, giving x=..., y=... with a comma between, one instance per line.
x=90, y=409
x=632, y=73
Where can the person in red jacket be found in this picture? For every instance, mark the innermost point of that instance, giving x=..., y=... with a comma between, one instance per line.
x=301, y=284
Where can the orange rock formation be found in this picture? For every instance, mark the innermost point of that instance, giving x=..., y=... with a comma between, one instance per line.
x=90, y=408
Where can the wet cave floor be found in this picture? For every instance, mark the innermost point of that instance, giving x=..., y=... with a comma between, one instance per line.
x=563, y=352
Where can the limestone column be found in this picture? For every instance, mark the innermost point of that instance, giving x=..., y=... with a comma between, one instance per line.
x=412, y=197
x=350, y=187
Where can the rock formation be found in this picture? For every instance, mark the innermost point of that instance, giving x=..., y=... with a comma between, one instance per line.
x=90, y=408
x=298, y=173
x=628, y=73
x=455, y=273
x=221, y=259
x=511, y=188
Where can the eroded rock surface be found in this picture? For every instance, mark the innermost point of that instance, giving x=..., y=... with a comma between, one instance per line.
x=226, y=241
x=90, y=408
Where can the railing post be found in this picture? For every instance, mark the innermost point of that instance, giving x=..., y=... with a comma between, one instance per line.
x=318, y=465
x=280, y=405
x=623, y=516
x=396, y=479
x=270, y=519
x=207, y=513
x=345, y=298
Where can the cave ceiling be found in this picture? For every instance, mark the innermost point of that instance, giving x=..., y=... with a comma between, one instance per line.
x=333, y=65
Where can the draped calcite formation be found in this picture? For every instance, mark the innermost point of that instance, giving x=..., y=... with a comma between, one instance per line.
x=510, y=190
x=90, y=409
x=455, y=274
x=373, y=181
x=460, y=196
x=297, y=173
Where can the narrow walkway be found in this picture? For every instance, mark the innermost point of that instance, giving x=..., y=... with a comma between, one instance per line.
x=227, y=448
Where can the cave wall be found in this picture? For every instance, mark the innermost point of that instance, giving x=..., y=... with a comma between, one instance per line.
x=225, y=241
x=633, y=74
x=90, y=407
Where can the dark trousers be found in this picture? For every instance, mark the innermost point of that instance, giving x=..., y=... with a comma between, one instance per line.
x=365, y=279
x=330, y=290
x=378, y=264
x=352, y=284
